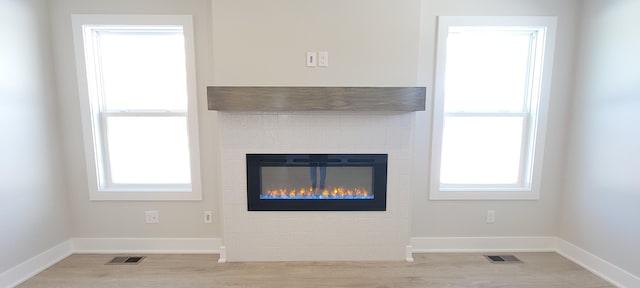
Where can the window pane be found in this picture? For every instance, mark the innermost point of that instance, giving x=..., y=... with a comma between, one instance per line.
x=148, y=150
x=486, y=71
x=481, y=150
x=143, y=70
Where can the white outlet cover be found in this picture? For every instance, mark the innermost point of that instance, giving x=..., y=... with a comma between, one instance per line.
x=152, y=217
x=323, y=59
x=491, y=216
x=208, y=217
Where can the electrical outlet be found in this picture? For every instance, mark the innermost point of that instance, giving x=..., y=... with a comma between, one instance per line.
x=323, y=59
x=491, y=216
x=208, y=217
x=152, y=216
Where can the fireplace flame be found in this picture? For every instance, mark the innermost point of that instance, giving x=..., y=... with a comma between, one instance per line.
x=311, y=193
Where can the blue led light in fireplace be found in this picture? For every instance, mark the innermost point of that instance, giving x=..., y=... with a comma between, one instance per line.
x=314, y=197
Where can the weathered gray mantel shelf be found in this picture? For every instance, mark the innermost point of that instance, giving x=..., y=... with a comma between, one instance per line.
x=241, y=98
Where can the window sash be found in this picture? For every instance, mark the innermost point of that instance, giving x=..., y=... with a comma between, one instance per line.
x=524, y=161
x=136, y=30
x=532, y=62
x=523, y=178
x=106, y=179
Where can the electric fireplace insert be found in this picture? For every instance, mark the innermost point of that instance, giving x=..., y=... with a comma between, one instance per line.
x=317, y=182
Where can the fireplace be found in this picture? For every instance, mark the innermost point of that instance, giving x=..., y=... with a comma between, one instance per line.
x=316, y=182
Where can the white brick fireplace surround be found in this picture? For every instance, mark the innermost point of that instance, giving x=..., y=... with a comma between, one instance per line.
x=315, y=236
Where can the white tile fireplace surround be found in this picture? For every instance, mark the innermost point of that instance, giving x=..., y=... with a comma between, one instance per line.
x=300, y=236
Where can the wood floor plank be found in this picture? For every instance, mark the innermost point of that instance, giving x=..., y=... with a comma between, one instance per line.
x=429, y=270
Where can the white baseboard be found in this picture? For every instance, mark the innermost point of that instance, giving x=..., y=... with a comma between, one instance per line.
x=607, y=271
x=593, y=263
x=25, y=270
x=597, y=265
x=483, y=244
x=146, y=245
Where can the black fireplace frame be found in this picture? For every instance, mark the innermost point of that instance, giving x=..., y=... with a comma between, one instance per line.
x=379, y=186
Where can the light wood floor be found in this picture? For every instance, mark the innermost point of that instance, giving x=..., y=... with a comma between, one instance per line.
x=429, y=270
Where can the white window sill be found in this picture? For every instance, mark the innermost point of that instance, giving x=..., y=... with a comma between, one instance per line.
x=467, y=194
x=156, y=195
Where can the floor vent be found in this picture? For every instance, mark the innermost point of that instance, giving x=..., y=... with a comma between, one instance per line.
x=502, y=259
x=125, y=260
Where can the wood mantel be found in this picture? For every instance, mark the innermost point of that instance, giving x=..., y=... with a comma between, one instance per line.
x=242, y=98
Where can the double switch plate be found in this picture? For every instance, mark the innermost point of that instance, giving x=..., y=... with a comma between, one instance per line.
x=320, y=59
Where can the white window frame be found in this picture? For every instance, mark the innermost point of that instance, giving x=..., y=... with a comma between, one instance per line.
x=528, y=187
x=94, y=127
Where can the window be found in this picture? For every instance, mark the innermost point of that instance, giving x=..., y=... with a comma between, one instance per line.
x=138, y=99
x=491, y=97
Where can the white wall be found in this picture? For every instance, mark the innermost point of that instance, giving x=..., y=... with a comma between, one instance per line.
x=600, y=210
x=33, y=209
x=126, y=218
x=513, y=218
x=371, y=43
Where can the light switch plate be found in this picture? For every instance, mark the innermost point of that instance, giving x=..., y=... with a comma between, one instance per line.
x=312, y=59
